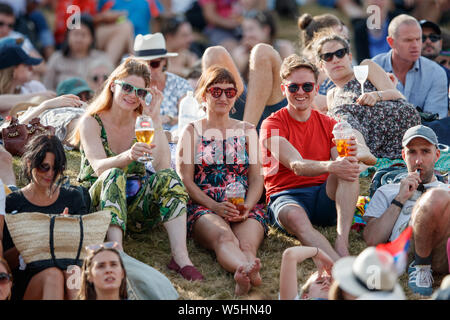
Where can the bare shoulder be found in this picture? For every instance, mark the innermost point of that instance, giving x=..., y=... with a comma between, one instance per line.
x=88, y=124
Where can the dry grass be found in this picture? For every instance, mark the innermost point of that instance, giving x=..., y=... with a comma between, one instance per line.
x=154, y=249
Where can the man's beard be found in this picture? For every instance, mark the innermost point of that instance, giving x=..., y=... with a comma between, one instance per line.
x=431, y=56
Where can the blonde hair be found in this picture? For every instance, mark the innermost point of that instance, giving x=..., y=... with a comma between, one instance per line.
x=103, y=102
x=398, y=21
x=6, y=77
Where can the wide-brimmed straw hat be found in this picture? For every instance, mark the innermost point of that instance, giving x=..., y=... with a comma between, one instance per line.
x=371, y=273
x=151, y=46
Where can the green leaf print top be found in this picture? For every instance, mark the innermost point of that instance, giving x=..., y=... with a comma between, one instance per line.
x=87, y=175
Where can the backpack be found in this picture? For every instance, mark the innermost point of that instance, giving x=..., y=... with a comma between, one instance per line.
x=392, y=174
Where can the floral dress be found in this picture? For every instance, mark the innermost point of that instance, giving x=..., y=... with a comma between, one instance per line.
x=218, y=163
x=382, y=125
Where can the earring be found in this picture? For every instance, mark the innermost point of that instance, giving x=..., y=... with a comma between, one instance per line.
x=233, y=110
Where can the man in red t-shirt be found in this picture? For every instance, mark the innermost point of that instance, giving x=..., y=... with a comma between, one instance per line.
x=306, y=182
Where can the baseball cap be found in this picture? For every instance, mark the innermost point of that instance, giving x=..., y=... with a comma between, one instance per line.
x=12, y=54
x=430, y=24
x=370, y=275
x=72, y=86
x=419, y=131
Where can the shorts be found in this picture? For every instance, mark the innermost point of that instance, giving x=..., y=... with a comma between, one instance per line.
x=320, y=209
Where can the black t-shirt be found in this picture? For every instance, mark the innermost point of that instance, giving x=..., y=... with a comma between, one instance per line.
x=16, y=202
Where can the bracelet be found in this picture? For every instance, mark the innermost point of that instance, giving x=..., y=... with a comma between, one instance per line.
x=397, y=203
x=316, y=253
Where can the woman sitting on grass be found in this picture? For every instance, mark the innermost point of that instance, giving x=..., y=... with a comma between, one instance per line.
x=212, y=153
x=118, y=182
x=43, y=163
x=103, y=274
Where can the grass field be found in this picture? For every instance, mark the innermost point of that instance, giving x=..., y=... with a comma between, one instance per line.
x=154, y=249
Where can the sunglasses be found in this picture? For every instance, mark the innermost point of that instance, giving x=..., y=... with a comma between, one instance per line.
x=44, y=167
x=216, y=92
x=99, y=77
x=154, y=64
x=338, y=53
x=107, y=245
x=5, y=277
x=306, y=87
x=128, y=88
x=9, y=25
x=433, y=37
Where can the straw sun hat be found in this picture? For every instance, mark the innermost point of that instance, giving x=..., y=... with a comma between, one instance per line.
x=151, y=46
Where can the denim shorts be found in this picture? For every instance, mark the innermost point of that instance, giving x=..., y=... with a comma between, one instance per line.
x=320, y=209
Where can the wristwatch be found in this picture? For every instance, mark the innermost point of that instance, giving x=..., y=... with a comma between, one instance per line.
x=397, y=203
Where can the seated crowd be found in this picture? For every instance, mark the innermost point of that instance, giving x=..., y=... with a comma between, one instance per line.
x=263, y=153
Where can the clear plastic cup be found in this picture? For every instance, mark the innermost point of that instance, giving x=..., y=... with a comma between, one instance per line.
x=235, y=193
x=342, y=132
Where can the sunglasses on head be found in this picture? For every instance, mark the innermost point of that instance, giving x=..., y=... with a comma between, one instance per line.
x=154, y=64
x=216, y=92
x=107, y=245
x=128, y=88
x=306, y=87
x=433, y=37
x=99, y=77
x=4, y=277
x=9, y=25
x=338, y=53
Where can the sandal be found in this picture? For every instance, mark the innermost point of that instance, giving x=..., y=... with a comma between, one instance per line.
x=188, y=272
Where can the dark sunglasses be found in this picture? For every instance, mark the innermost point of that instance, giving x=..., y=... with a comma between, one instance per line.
x=4, y=277
x=338, y=53
x=9, y=25
x=154, y=64
x=307, y=87
x=216, y=92
x=128, y=88
x=107, y=245
x=433, y=37
x=44, y=167
x=97, y=77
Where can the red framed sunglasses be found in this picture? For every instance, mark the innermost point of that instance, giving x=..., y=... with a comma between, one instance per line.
x=216, y=92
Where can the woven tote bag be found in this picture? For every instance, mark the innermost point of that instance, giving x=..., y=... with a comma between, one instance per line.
x=49, y=240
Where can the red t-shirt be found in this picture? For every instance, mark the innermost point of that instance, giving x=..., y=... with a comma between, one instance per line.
x=313, y=140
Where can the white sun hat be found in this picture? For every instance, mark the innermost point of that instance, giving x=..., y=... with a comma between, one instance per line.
x=151, y=46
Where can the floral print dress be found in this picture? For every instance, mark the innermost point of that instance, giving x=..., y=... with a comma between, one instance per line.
x=218, y=163
x=382, y=125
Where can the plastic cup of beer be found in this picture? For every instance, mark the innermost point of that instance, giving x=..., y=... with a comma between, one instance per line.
x=342, y=132
x=235, y=193
x=144, y=133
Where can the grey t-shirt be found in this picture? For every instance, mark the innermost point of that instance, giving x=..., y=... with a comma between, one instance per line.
x=381, y=201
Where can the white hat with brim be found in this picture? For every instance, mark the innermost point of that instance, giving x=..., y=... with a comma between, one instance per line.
x=371, y=275
x=151, y=46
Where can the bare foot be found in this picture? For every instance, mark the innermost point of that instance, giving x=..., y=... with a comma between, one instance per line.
x=341, y=248
x=242, y=282
x=253, y=272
